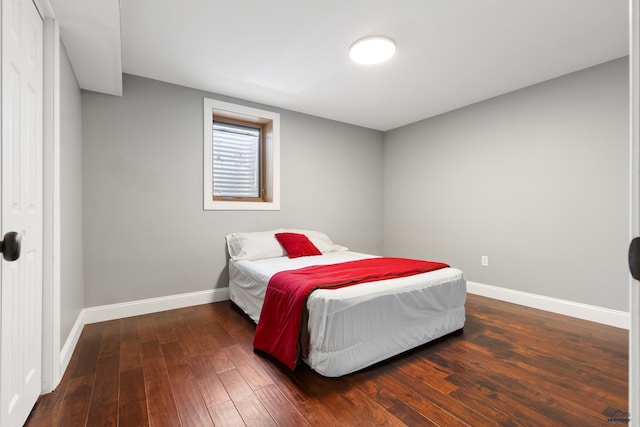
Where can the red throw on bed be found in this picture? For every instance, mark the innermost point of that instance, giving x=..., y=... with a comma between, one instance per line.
x=279, y=327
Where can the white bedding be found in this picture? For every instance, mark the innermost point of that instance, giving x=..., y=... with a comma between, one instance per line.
x=354, y=327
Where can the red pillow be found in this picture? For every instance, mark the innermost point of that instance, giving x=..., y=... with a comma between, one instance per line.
x=297, y=245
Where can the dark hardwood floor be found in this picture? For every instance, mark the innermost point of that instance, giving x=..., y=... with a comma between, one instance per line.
x=511, y=366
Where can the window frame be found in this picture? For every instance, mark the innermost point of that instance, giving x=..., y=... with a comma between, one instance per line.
x=270, y=154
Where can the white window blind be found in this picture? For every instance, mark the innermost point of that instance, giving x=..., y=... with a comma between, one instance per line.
x=236, y=160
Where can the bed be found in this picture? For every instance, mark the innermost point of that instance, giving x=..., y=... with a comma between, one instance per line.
x=356, y=326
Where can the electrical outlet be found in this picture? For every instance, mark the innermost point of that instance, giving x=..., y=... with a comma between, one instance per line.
x=484, y=261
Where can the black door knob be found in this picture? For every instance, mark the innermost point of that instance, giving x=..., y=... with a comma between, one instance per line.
x=10, y=246
x=634, y=258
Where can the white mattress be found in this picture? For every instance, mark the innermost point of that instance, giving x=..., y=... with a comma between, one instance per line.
x=354, y=327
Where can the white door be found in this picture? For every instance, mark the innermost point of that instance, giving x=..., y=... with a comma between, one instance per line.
x=21, y=209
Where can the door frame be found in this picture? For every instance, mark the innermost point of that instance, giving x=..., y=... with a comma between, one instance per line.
x=51, y=366
x=634, y=201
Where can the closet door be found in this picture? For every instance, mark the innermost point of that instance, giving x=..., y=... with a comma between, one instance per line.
x=21, y=215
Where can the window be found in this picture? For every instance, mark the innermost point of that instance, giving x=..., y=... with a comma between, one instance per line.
x=241, y=157
x=237, y=164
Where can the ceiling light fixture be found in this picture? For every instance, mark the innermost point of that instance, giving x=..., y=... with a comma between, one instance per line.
x=372, y=50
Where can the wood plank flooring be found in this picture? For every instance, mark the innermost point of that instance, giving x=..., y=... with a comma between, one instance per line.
x=511, y=366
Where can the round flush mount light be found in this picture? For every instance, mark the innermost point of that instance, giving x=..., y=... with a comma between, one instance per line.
x=372, y=50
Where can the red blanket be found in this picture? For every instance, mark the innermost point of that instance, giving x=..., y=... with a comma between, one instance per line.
x=279, y=327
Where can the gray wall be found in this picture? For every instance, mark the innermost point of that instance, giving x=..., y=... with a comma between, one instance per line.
x=146, y=234
x=536, y=179
x=71, y=237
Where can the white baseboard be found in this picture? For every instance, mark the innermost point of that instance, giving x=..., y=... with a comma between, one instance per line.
x=128, y=309
x=619, y=319
x=606, y=316
x=152, y=305
x=69, y=346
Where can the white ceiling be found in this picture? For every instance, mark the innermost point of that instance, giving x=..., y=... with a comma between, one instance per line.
x=294, y=54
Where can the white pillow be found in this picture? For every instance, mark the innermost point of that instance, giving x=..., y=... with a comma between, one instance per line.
x=263, y=244
x=254, y=245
